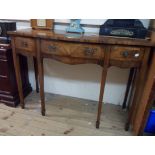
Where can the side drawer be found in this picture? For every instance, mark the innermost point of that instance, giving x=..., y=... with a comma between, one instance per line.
x=27, y=44
x=125, y=53
x=76, y=50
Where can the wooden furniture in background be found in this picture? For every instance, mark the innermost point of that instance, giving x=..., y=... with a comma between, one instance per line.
x=146, y=100
x=148, y=93
x=8, y=85
x=101, y=50
x=128, y=87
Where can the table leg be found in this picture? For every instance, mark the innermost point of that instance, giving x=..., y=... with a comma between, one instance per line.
x=18, y=74
x=41, y=77
x=130, y=79
x=36, y=73
x=41, y=81
x=133, y=88
x=133, y=105
x=102, y=87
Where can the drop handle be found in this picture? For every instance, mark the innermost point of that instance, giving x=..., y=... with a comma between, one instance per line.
x=52, y=48
x=24, y=44
x=125, y=54
x=89, y=51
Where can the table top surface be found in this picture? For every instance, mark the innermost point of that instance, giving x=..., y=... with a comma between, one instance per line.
x=83, y=38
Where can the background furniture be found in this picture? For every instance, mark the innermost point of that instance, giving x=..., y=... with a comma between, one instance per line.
x=101, y=50
x=141, y=112
x=146, y=100
x=8, y=84
x=128, y=88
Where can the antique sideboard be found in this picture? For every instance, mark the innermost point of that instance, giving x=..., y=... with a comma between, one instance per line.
x=80, y=49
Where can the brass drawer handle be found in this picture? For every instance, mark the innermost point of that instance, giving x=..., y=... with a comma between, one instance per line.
x=125, y=54
x=52, y=48
x=24, y=44
x=89, y=51
x=134, y=54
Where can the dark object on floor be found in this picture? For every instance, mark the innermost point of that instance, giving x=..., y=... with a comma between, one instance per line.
x=123, y=28
x=68, y=131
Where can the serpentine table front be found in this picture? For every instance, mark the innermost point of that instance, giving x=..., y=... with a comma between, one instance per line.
x=80, y=49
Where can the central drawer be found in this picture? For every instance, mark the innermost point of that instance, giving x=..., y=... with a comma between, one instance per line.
x=77, y=50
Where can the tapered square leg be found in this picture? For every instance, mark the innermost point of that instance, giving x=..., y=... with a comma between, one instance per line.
x=18, y=74
x=43, y=112
x=102, y=86
x=127, y=126
x=97, y=124
x=41, y=77
x=36, y=73
x=130, y=80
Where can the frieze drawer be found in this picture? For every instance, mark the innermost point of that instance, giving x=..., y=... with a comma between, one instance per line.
x=76, y=50
x=127, y=53
x=27, y=44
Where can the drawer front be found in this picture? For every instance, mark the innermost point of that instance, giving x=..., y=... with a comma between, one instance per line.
x=5, y=84
x=126, y=53
x=3, y=68
x=27, y=44
x=3, y=54
x=76, y=50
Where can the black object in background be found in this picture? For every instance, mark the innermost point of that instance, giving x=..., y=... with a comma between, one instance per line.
x=4, y=27
x=123, y=28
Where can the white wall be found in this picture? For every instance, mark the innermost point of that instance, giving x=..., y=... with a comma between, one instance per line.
x=82, y=81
